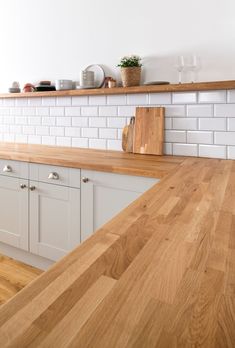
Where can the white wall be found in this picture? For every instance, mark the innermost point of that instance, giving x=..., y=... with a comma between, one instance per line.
x=51, y=39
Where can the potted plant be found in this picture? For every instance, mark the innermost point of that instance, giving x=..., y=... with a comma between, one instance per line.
x=130, y=70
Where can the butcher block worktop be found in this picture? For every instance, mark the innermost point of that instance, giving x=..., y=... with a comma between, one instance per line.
x=160, y=274
x=100, y=160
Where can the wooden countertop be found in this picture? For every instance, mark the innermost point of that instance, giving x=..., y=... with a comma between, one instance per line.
x=160, y=274
x=100, y=160
x=183, y=87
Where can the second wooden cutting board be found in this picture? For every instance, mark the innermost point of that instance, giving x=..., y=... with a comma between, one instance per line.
x=149, y=130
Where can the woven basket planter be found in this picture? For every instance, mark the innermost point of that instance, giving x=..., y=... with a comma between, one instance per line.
x=131, y=76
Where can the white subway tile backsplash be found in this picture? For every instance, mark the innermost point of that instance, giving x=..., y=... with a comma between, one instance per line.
x=185, y=149
x=90, y=132
x=197, y=137
x=89, y=111
x=48, y=101
x=159, y=98
x=212, y=151
x=174, y=136
x=34, y=120
x=184, y=98
x=168, y=123
x=73, y=111
x=48, y=140
x=15, y=111
x=212, y=124
x=231, y=96
x=80, y=142
x=48, y=121
x=225, y=138
x=231, y=124
x=4, y=111
x=184, y=123
x=175, y=111
x=126, y=111
x=231, y=152
x=200, y=110
x=204, y=128
x=9, y=102
x=63, y=101
x=22, y=102
x=212, y=97
x=119, y=99
x=21, y=120
x=114, y=122
x=79, y=100
x=63, y=141
x=108, y=133
x=97, y=143
x=28, y=130
x=80, y=121
x=167, y=149
x=57, y=131
x=57, y=111
x=97, y=121
x=34, y=101
x=42, y=130
x=225, y=110
x=114, y=145
x=97, y=100
x=72, y=132
x=63, y=121
x=108, y=111
x=42, y=111
x=15, y=129
x=137, y=99
x=28, y=111
x=34, y=139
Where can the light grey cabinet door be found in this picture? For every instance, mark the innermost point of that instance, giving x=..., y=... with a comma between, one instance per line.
x=103, y=195
x=54, y=219
x=14, y=200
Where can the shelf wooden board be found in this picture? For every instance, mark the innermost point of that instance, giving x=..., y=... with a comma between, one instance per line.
x=184, y=87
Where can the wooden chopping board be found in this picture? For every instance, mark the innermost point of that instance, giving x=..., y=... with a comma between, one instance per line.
x=128, y=136
x=149, y=130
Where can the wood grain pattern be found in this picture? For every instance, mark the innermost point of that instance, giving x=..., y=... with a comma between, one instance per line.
x=149, y=130
x=198, y=86
x=100, y=160
x=14, y=276
x=160, y=274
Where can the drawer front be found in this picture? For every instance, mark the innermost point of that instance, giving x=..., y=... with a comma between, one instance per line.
x=15, y=169
x=55, y=175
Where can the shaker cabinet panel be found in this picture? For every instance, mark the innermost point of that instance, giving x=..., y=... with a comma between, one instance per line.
x=14, y=211
x=54, y=219
x=103, y=195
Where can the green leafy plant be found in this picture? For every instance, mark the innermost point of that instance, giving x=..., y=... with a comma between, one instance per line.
x=130, y=61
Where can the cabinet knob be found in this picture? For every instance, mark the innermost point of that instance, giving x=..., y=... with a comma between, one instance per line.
x=7, y=169
x=85, y=180
x=32, y=188
x=53, y=176
x=23, y=186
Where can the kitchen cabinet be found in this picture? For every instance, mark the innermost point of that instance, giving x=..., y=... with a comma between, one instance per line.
x=39, y=213
x=103, y=195
x=14, y=201
x=54, y=219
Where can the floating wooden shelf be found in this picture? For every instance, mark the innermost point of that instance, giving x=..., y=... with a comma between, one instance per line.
x=199, y=86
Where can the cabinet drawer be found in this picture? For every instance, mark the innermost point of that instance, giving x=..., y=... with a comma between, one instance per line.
x=55, y=175
x=15, y=169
